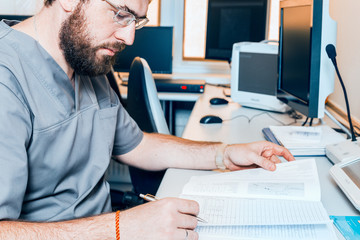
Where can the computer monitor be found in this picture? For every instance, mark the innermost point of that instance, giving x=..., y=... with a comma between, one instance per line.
x=154, y=44
x=232, y=21
x=306, y=74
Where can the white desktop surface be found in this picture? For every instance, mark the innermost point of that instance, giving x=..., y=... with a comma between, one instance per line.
x=240, y=130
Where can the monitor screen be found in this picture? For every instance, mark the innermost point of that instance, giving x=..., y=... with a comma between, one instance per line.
x=154, y=44
x=353, y=172
x=296, y=51
x=306, y=75
x=258, y=73
x=232, y=21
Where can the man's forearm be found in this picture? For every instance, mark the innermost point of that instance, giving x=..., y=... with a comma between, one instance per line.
x=157, y=152
x=97, y=227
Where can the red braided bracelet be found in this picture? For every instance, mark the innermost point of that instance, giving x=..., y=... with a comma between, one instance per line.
x=117, y=227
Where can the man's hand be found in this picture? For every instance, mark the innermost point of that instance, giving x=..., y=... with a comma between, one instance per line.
x=251, y=155
x=168, y=218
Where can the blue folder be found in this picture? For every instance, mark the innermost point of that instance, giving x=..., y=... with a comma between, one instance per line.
x=349, y=226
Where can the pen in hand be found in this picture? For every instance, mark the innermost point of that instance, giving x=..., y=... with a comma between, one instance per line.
x=151, y=198
x=148, y=197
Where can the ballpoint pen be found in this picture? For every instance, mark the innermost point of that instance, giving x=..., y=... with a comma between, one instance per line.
x=151, y=198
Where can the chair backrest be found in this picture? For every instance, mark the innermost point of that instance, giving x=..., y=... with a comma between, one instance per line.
x=143, y=103
x=144, y=107
x=114, y=85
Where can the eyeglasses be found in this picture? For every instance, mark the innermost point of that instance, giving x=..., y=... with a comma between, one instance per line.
x=125, y=18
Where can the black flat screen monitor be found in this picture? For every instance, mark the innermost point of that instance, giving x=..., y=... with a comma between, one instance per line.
x=306, y=75
x=154, y=44
x=232, y=21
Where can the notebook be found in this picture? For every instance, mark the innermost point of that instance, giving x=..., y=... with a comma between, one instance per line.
x=260, y=204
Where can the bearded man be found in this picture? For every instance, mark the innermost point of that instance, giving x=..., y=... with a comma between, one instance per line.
x=60, y=123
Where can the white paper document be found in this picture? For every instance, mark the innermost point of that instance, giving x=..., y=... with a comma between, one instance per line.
x=281, y=232
x=299, y=134
x=235, y=212
x=297, y=180
x=286, y=200
x=302, y=141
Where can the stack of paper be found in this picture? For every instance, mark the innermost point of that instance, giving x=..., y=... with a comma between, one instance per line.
x=303, y=141
x=259, y=204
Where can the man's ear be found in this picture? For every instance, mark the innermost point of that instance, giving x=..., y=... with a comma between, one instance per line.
x=68, y=5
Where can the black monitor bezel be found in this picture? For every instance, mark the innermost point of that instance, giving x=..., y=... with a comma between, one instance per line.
x=310, y=107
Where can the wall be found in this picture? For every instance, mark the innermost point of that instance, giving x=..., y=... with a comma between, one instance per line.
x=20, y=7
x=347, y=15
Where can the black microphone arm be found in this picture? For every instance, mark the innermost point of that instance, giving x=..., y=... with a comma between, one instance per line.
x=331, y=52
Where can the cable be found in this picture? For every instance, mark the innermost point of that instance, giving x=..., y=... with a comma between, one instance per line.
x=304, y=123
x=311, y=121
x=331, y=52
x=244, y=116
x=257, y=115
x=284, y=124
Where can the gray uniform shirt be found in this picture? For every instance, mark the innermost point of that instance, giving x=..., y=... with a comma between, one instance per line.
x=55, y=141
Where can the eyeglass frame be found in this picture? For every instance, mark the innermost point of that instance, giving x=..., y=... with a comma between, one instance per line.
x=137, y=20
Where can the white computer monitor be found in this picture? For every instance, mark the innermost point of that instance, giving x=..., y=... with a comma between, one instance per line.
x=254, y=76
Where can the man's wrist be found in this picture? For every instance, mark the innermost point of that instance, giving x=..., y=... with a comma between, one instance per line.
x=219, y=157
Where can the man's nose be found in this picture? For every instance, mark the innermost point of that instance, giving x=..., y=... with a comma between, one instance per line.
x=126, y=34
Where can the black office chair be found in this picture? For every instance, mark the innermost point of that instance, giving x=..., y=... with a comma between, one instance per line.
x=144, y=107
x=112, y=80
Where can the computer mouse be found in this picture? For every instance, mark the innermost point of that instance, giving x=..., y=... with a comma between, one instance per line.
x=218, y=101
x=210, y=119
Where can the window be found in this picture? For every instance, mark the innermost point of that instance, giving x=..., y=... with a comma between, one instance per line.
x=195, y=28
x=153, y=13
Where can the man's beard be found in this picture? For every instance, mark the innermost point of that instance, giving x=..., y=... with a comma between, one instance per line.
x=78, y=50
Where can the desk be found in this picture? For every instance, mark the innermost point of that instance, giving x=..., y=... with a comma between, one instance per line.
x=246, y=127
x=240, y=130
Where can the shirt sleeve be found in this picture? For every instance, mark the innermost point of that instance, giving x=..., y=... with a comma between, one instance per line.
x=128, y=135
x=15, y=132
